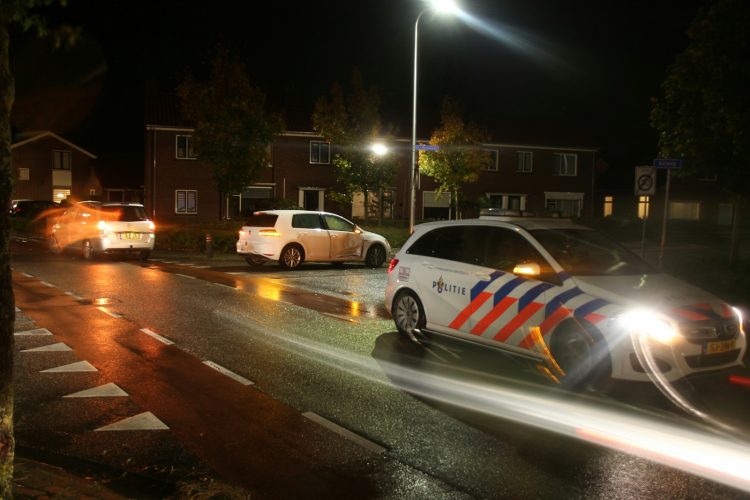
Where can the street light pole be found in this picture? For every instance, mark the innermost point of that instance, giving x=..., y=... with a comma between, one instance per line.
x=413, y=166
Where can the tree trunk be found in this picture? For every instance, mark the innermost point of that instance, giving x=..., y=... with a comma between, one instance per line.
x=7, y=302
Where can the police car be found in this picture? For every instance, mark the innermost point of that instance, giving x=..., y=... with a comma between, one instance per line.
x=562, y=294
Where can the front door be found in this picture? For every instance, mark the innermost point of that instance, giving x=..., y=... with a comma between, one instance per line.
x=346, y=238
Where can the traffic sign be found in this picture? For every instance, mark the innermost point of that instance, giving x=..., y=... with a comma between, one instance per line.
x=645, y=181
x=426, y=147
x=671, y=163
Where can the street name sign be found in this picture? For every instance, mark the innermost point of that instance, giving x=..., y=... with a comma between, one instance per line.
x=668, y=163
x=427, y=147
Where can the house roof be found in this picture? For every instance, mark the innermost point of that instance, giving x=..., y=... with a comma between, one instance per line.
x=42, y=135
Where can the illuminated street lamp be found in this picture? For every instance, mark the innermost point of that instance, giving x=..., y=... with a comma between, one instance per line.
x=450, y=7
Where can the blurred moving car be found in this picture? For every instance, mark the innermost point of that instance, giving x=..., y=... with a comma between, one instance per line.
x=295, y=236
x=34, y=217
x=562, y=294
x=92, y=227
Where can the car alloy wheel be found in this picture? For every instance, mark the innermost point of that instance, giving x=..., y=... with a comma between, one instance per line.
x=291, y=257
x=408, y=313
x=88, y=250
x=375, y=256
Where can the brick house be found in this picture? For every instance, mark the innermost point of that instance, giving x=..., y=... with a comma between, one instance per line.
x=47, y=167
x=179, y=188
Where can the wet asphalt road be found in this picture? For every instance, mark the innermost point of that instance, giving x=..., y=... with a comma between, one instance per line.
x=326, y=400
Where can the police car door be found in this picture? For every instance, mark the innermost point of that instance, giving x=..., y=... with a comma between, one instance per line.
x=447, y=270
x=509, y=302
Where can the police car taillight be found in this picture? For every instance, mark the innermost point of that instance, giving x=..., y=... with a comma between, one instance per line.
x=392, y=265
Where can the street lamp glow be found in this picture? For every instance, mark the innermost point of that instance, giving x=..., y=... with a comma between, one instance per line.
x=450, y=7
x=379, y=149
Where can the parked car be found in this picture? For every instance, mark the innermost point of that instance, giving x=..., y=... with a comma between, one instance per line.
x=296, y=236
x=34, y=217
x=91, y=228
x=564, y=295
x=31, y=209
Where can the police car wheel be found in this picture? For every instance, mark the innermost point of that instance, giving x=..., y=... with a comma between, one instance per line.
x=291, y=257
x=582, y=356
x=408, y=313
x=375, y=256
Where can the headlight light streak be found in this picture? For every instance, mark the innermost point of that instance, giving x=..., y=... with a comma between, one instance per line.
x=702, y=452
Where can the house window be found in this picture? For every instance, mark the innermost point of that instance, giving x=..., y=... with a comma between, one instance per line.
x=320, y=152
x=567, y=204
x=643, y=206
x=565, y=164
x=59, y=195
x=608, y=203
x=61, y=160
x=23, y=174
x=186, y=201
x=524, y=161
x=492, y=159
x=507, y=201
x=184, y=147
x=685, y=210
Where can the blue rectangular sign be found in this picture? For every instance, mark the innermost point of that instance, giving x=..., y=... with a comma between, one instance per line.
x=668, y=163
x=427, y=147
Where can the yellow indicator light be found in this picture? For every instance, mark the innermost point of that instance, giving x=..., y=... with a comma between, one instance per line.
x=527, y=269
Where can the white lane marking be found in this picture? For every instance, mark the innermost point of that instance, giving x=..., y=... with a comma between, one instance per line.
x=225, y=286
x=185, y=276
x=28, y=275
x=242, y=380
x=145, y=421
x=48, y=284
x=341, y=431
x=80, y=366
x=189, y=264
x=235, y=273
x=107, y=311
x=35, y=331
x=155, y=335
x=59, y=347
x=103, y=391
x=18, y=310
x=201, y=267
x=73, y=295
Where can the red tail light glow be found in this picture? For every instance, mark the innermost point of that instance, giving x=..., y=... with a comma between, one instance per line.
x=392, y=265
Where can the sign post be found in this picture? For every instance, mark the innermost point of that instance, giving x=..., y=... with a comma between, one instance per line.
x=645, y=185
x=668, y=165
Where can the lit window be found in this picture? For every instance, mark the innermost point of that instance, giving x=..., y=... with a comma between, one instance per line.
x=184, y=147
x=186, y=201
x=320, y=152
x=608, y=202
x=524, y=161
x=61, y=160
x=685, y=210
x=565, y=164
x=23, y=174
x=492, y=160
x=643, y=207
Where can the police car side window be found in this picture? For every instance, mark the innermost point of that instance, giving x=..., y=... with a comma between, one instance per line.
x=442, y=243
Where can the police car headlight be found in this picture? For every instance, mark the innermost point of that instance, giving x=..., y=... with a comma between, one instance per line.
x=650, y=325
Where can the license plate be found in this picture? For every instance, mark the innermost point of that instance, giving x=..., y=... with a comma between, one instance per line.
x=717, y=347
x=129, y=236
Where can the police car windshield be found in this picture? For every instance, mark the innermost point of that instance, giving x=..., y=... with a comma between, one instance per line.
x=584, y=252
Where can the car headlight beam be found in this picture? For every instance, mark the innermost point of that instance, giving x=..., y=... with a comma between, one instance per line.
x=651, y=325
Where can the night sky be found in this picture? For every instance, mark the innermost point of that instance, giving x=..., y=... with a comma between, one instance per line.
x=578, y=73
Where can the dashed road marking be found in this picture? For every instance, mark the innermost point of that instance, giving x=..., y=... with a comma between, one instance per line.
x=107, y=311
x=48, y=284
x=18, y=310
x=103, y=391
x=185, y=276
x=73, y=295
x=59, y=347
x=222, y=284
x=145, y=421
x=80, y=366
x=201, y=267
x=28, y=275
x=34, y=332
x=242, y=380
x=155, y=335
x=346, y=433
x=236, y=273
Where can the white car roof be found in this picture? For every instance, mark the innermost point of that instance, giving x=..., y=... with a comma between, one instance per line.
x=527, y=223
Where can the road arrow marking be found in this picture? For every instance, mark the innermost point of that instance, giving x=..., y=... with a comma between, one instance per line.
x=59, y=347
x=80, y=366
x=145, y=421
x=103, y=391
x=36, y=331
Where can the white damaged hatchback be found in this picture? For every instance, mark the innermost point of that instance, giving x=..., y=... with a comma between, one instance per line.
x=560, y=293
